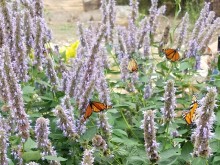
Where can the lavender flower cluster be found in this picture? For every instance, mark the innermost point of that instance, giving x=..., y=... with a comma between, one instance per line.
x=18, y=39
x=148, y=125
x=169, y=102
x=204, y=124
x=42, y=131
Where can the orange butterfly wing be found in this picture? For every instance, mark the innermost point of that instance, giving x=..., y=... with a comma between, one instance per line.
x=94, y=106
x=190, y=116
x=97, y=106
x=88, y=112
x=132, y=65
x=172, y=54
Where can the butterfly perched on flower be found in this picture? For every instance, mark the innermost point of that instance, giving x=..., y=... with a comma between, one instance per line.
x=171, y=54
x=132, y=65
x=190, y=115
x=94, y=106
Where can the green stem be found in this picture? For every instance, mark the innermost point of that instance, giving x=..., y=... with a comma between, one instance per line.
x=128, y=125
x=166, y=134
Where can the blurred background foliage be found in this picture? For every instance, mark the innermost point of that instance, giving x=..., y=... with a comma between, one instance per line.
x=193, y=7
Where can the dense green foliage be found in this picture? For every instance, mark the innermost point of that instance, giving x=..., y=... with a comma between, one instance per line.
x=126, y=144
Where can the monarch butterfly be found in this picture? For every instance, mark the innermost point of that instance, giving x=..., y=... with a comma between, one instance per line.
x=171, y=54
x=94, y=106
x=132, y=66
x=190, y=115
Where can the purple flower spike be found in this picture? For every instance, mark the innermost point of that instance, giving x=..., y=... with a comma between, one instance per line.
x=42, y=132
x=169, y=102
x=204, y=124
x=16, y=102
x=183, y=31
x=3, y=146
x=151, y=145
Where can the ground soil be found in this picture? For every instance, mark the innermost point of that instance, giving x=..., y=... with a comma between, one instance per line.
x=62, y=18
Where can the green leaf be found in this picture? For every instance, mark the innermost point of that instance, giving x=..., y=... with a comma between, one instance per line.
x=31, y=155
x=50, y=157
x=122, y=152
x=120, y=133
x=113, y=111
x=186, y=150
x=199, y=161
x=169, y=161
x=215, y=145
x=10, y=162
x=89, y=134
x=218, y=118
x=120, y=105
x=117, y=140
x=216, y=159
x=217, y=133
x=219, y=63
x=137, y=160
x=29, y=144
x=28, y=90
x=46, y=98
x=27, y=98
x=169, y=153
x=184, y=66
x=179, y=140
x=43, y=83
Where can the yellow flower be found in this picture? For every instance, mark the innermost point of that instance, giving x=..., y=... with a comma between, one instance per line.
x=31, y=55
x=71, y=50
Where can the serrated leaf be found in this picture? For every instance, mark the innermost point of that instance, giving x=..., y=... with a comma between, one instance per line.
x=31, y=155
x=186, y=150
x=29, y=144
x=89, y=134
x=199, y=161
x=120, y=133
x=215, y=145
x=122, y=152
x=137, y=160
x=169, y=161
x=50, y=157
x=117, y=140
x=169, y=153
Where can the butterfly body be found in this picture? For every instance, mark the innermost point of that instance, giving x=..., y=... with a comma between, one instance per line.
x=132, y=65
x=191, y=114
x=171, y=54
x=94, y=106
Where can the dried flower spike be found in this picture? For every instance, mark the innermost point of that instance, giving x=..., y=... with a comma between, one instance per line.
x=88, y=158
x=99, y=142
